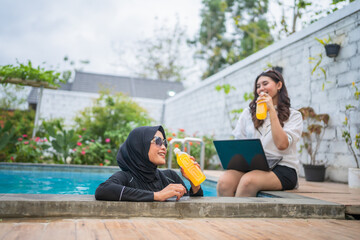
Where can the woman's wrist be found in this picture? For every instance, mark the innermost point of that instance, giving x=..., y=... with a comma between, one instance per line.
x=156, y=196
x=272, y=111
x=194, y=188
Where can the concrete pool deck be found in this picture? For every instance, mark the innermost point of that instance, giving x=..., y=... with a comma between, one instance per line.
x=298, y=203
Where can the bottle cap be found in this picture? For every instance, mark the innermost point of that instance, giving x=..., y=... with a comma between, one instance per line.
x=176, y=151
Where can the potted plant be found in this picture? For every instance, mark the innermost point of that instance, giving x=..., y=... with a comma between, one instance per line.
x=353, y=173
x=331, y=49
x=314, y=129
x=276, y=68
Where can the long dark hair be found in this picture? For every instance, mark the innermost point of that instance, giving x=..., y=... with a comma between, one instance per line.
x=283, y=106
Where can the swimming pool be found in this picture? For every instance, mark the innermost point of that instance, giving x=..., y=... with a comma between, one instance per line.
x=63, y=179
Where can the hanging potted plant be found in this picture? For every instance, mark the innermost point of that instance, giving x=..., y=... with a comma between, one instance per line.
x=276, y=68
x=331, y=49
x=353, y=173
x=314, y=129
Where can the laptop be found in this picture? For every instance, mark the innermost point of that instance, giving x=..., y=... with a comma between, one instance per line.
x=244, y=155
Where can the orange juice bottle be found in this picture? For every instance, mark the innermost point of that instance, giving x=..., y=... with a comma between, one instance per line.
x=261, y=110
x=193, y=172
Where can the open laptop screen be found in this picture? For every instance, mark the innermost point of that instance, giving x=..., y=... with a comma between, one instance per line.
x=244, y=155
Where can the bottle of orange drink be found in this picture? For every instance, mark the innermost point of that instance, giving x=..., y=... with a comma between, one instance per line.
x=193, y=172
x=261, y=110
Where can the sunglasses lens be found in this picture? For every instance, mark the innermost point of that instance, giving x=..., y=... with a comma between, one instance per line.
x=159, y=141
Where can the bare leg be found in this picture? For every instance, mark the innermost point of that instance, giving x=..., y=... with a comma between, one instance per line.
x=228, y=182
x=255, y=181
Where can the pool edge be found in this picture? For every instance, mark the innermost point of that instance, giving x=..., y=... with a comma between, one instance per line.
x=80, y=206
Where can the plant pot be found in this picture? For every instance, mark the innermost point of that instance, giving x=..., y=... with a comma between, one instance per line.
x=332, y=50
x=314, y=173
x=354, y=178
x=279, y=69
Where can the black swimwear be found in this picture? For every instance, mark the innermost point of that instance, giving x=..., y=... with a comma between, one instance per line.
x=122, y=186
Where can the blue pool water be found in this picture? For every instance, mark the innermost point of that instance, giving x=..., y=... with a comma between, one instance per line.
x=27, y=179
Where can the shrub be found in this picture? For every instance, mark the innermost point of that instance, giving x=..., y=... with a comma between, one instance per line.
x=94, y=153
x=21, y=123
x=62, y=140
x=29, y=149
x=112, y=117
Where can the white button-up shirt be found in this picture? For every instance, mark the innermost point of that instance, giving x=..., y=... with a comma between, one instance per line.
x=293, y=127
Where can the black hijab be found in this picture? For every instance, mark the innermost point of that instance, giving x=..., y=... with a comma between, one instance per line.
x=133, y=154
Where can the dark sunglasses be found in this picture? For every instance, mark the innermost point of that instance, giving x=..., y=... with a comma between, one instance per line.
x=159, y=141
x=272, y=71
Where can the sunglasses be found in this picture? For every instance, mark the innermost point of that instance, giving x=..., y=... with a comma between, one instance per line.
x=271, y=71
x=159, y=141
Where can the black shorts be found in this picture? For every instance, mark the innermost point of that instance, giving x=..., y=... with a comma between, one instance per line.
x=287, y=176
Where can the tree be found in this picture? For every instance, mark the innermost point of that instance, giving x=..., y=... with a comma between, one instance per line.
x=230, y=31
x=296, y=13
x=252, y=25
x=160, y=57
x=67, y=74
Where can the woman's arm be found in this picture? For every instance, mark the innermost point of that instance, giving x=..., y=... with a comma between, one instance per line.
x=115, y=189
x=278, y=134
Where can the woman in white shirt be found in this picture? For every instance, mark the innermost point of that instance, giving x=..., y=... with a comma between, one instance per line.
x=279, y=133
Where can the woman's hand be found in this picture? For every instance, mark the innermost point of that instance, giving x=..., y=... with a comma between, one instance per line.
x=264, y=97
x=183, y=172
x=169, y=191
x=194, y=189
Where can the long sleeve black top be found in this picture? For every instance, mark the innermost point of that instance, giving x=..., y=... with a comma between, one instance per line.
x=123, y=186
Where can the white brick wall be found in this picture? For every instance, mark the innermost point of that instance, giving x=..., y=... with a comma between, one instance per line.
x=67, y=105
x=201, y=108
x=64, y=104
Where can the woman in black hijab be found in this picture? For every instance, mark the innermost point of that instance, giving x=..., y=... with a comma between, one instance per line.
x=140, y=180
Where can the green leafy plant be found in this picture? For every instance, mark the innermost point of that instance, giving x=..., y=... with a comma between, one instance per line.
x=346, y=133
x=226, y=87
x=315, y=125
x=6, y=133
x=22, y=123
x=235, y=112
x=62, y=140
x=318, y=59
x=28, y=72
x=113, y=117
x=324, y=41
